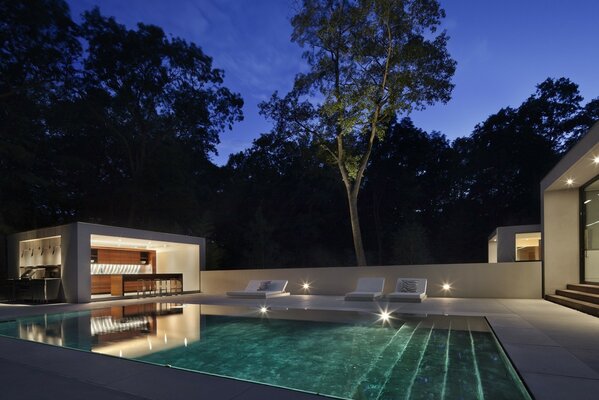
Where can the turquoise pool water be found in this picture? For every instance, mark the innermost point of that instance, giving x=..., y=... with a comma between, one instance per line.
x=346, y=355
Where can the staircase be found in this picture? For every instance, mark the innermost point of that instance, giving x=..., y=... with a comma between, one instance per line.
x=582, y=297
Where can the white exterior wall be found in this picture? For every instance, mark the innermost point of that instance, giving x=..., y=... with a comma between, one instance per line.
x=476, y=280
x=561, y=239
x=504, y=249
x=492, y=251
x=183, y=260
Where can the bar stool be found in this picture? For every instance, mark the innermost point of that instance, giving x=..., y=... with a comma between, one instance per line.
x=141, y=287
x=176, y=286
x=160, y=286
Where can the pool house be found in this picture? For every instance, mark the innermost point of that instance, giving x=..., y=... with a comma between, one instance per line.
x=80, y=262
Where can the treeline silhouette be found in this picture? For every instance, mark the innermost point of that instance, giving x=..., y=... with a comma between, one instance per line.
x=100, y=123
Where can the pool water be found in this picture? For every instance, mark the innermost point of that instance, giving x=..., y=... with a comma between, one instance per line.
x=346, y=355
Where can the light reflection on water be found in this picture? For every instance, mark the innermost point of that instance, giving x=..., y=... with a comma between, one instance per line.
x=353, y=355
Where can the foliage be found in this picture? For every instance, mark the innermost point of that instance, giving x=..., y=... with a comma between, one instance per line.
x=38, y=47
x=122, y=131
x=369, y=60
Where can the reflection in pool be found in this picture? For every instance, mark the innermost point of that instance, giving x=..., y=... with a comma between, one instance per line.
x=352, y=355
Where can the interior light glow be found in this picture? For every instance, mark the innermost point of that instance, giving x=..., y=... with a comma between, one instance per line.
x=587, y=201
x=185, y=342
x=446, y=286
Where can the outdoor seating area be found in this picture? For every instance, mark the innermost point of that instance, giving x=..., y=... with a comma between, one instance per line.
x=409, y=289
x=262, y=289
x=367, y=289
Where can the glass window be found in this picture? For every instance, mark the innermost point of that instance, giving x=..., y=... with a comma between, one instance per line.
x=528, y=246
x=591, y=232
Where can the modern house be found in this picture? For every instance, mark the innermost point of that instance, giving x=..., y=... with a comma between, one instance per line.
x=515, y=243
x=79, y=262
x=570, y=226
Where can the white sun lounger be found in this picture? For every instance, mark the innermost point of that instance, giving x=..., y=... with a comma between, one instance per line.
x=367, y=289
x=261, y=289
x=409, y=289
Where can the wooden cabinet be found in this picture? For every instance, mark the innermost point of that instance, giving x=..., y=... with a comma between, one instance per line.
x=100, y=284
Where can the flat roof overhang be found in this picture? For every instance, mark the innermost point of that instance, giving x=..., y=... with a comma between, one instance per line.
x=577, y=166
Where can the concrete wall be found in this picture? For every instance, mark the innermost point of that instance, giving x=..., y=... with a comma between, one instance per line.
x=503, y=280
x=506, y=240
x=492, y=252
x=561, y=239
x=182, y=259
x=502, y=244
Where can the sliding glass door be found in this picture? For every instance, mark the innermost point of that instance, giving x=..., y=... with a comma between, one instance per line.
x=590, y=220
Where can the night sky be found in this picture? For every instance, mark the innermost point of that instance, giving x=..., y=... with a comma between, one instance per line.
x=503, y=49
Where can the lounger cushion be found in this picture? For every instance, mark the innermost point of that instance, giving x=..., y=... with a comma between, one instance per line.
x=367, y=289
x=257, y=294
x=373, y=285
x=363, y=295
x=409, y=289
x=261, y=289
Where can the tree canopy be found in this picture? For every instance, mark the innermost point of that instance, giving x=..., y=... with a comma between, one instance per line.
x=369, y=60
x=121, y=132
x=115, y=125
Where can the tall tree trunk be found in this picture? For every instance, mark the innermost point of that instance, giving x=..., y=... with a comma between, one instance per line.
x=352, y=199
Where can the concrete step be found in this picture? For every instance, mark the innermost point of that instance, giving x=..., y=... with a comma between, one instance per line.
x=584, y=306
x=575, y=294
x=584, y=287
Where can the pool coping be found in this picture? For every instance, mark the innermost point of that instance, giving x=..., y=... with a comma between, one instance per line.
x=554, y=349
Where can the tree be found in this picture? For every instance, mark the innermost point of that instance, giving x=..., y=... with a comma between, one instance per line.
x=553, y=112
x=369, y=60
x=278, y=192
x=38, y=50
x=503, y=161
x=139, y=133
x=409, y=186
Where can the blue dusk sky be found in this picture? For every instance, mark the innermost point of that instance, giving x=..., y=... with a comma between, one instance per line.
x=503, y=49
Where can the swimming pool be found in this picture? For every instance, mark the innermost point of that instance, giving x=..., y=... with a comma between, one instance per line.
x=349, y=355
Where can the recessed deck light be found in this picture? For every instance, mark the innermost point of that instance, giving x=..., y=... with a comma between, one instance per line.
x=569, y=181
x=306, y=285
x=446, y=286
x=596, y=160
x=385, y=316
x=263, y=309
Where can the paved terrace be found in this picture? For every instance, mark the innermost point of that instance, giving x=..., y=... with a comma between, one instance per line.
x=555, y=350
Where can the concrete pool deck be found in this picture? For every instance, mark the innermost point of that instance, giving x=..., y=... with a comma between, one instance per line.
x=554, y=349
